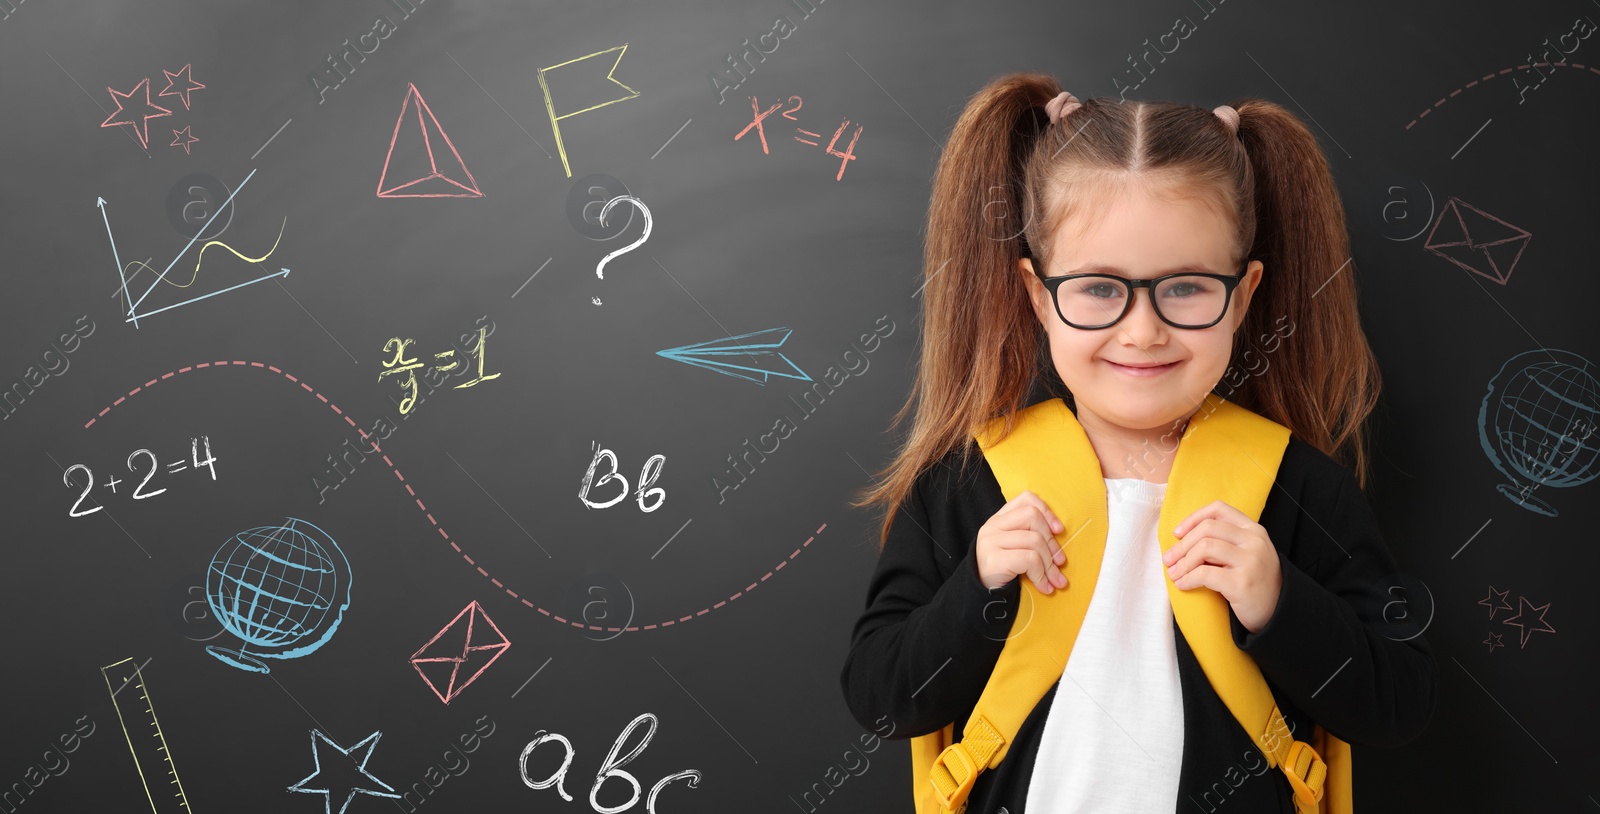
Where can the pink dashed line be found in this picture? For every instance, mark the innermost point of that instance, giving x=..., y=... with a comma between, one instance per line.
x=424, y=509
x=1503, y=72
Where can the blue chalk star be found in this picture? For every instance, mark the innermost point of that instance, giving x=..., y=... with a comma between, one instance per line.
x=365, y=748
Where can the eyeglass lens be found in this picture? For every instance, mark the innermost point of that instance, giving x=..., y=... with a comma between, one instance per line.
x=1100, y=300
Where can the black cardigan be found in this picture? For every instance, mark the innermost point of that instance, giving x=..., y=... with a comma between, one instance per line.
x=1340, y=648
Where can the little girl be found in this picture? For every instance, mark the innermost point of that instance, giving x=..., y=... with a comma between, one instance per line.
x=1117, y=256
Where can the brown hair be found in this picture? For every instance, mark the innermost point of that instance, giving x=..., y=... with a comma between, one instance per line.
x=983, y=350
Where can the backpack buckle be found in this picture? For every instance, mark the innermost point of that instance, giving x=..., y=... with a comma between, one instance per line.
x=1306, y=771
x=953, y=774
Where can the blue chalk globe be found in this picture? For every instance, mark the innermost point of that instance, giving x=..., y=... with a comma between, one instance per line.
x=282, y=590
x=1538, y=423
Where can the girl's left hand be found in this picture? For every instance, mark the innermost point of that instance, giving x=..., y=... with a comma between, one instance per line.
x=1223, y=549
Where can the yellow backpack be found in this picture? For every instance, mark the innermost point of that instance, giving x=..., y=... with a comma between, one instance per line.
x=1227, y=453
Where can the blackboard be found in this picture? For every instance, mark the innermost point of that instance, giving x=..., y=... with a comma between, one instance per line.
x=319, y=186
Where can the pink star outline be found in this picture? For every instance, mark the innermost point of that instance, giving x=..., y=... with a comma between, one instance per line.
x=1527, y=631
x=141, y=127
x=183, y=138
x=1493, y=641
x=1496, y=596
x=189, y=85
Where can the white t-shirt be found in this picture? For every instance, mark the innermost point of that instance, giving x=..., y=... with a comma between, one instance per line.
x=1113, y=738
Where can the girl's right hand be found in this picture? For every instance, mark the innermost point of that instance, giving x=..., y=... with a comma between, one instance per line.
x=1020, y=539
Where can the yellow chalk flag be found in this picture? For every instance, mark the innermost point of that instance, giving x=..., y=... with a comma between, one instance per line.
x=581, y=88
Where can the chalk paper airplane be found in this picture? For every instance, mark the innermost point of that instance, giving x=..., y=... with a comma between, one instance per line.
x=754, y=361
x=417, y=161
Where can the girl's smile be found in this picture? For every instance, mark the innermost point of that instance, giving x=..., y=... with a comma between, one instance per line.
x=1142, y=370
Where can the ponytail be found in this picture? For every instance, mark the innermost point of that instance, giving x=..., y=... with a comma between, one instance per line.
x=1321, y=378
x=981, y=345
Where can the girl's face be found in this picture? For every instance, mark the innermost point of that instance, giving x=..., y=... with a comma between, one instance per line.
x=1141, y=377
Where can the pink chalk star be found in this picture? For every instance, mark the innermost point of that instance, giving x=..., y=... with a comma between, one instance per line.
x=140, y=122
x=183, y=138
x=183, y=92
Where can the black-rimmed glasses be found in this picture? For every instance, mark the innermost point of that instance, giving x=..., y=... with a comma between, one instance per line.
x=1186, y=300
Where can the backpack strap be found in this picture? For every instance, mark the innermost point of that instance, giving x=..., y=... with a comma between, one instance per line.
x=1227, y=453
x=1068, y=479
x=1252, y=447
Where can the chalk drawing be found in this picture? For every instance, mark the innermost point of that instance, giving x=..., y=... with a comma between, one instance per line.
x=719, y=355
x=133, y=304
x=576, y=74
x=183, y=138
x=360, y=754
x=1477, y=241
x=599, y=271
x=443, y=534
x=282, y=590
x=141, y=729
x=450, y=661
x=189, y=85
x=201, y=258
x=444, y=185
x=124, y=117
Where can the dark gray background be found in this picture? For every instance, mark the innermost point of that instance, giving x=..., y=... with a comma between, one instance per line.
x=742, y=241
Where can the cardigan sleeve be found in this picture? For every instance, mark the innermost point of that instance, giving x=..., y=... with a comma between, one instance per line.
x=928, y=639
x=1344, y=643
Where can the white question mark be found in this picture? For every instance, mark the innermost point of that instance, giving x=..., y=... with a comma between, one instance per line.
x=599, y=271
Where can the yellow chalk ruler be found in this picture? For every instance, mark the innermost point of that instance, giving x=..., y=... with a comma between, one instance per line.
x=143, y=732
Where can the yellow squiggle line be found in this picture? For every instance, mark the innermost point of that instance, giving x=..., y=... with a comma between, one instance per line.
x=202, y=255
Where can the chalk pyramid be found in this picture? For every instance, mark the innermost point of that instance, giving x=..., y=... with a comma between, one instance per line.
x=415, y=150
